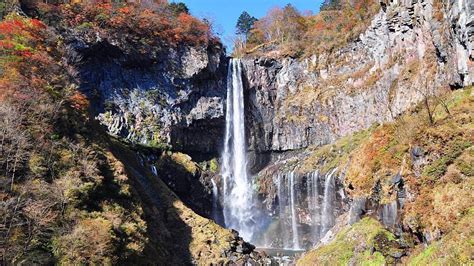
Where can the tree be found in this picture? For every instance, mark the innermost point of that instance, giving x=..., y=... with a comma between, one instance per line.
x=178, y=8
x=331, y=5
x=245, y=23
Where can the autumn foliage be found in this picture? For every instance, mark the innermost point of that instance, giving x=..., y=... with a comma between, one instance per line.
x=291, y=32
x=48, y=173
x=154, y=24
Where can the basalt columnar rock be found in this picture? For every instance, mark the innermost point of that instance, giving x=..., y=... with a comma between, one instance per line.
x=166, y=96
x=411, y=48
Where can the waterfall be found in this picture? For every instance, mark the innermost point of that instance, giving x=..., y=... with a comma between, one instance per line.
x=238, y=195
x=215, y=199
x=314, y=204
x=154, y=171
x=328, y=207
x=282, y=202
x=294, y=227
x=389, y=213
x=287, y=215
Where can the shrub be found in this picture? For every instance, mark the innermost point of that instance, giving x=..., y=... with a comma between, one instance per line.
x=90, y=242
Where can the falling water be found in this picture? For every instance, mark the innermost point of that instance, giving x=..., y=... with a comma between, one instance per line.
x=154, y=171
x=314, y=204
x=238, y=198
x=282, y=203
x=215, y=199
x=328, y=208
x=294, y=227
x=389, y=214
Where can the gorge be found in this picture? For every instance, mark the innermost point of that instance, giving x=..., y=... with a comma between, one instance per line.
x=131, y=136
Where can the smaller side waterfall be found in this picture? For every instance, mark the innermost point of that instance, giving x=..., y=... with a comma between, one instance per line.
x=287, y=215
x=282, y=203
x=314, y=205
x=215, y=200
x=154, y=171
x=389, y=213
x=328, y=219
x=303, y=218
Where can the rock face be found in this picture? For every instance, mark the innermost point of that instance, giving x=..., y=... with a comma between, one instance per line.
x=411, y=49
x=175, y=95
x=168, y=96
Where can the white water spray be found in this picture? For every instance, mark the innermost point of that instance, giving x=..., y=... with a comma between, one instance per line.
x=238, y=195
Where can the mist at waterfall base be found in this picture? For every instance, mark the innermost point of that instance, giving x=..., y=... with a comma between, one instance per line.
x=303, y=210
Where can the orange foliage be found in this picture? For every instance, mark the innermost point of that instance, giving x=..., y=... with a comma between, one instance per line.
x=313, y=33
x=79, y=101
x=153, y=26
x=20, y=46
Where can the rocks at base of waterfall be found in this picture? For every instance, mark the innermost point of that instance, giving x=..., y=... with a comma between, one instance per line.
x=341, y=223
x=357, y=209
x=243, y=253
x=239, y=245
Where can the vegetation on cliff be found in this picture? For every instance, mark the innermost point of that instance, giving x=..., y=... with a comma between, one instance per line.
x=365, y=243
x=435, y=163
x=144, y=25
x=66, y=197
x=287, y=32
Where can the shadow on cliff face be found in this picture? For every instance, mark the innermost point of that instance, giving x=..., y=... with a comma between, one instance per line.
x=258, y=156
x=169, y=236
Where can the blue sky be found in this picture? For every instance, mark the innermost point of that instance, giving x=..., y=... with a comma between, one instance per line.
x=225, y=13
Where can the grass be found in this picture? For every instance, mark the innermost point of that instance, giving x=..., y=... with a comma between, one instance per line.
x=334, y=155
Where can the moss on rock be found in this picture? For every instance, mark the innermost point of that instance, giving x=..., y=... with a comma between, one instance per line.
x=364, y=243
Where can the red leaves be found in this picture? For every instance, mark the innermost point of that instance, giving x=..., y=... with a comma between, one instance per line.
x=27, y=66
x=191, y=29
x=38, y=24
x=7, y=45
x=11, y=26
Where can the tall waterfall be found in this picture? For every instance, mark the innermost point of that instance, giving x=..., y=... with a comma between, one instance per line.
x=237, y=190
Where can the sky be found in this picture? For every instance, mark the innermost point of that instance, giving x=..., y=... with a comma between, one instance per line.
x=224, y=13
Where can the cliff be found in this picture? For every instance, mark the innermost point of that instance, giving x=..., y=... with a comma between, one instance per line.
x=411, y=48
x=354, y=109
x=172, y=96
